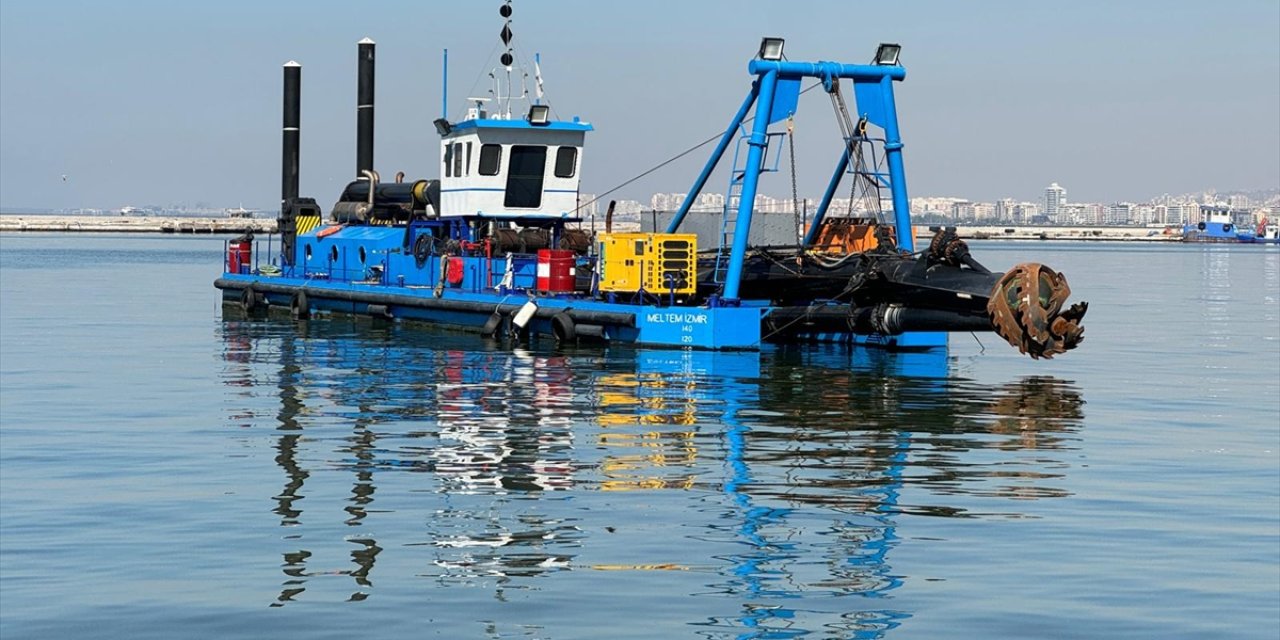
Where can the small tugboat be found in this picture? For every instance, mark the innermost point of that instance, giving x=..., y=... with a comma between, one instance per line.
x=1217, y=224
x=496, y=243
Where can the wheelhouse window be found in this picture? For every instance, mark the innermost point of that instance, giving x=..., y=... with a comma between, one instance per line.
x=457, y=159
x=468, y=171
x=448, y=161
x=490, y=159
x=566, y=161
x=525, y=172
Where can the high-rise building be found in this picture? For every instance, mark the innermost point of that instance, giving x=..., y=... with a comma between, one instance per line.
x=1005, y=210
x=1054, y=197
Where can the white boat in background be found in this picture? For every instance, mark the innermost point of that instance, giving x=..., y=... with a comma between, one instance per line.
x=240, y=212
x=1268, y=231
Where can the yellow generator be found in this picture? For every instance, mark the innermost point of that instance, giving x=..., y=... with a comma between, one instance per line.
x=657, y=263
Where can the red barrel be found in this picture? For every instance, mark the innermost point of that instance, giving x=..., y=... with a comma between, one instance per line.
x=555, y=270
x=239, y=256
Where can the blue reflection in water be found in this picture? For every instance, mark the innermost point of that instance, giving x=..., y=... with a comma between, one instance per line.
x=857, y=563
x=797, y=458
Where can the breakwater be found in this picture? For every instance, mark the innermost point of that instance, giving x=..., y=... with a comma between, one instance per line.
x=134, y=224
x=767, y=234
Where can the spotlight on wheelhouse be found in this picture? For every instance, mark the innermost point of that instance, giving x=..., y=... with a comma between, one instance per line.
x=539, y=114
x=771, y=48
x=887, y=54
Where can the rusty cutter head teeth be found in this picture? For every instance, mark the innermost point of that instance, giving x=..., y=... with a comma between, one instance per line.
x=1026, y=309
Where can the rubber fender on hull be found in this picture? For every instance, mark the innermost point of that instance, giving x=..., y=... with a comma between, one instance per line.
x=300, y=307
x=524, y=315
x=250, y=300
x=422, y=250
x=381, y=311
x=563, y=328
x=492, y=325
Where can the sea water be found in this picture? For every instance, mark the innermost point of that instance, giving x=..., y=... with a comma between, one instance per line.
x=171, y=471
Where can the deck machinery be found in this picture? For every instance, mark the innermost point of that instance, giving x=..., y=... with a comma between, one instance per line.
x=496, y=244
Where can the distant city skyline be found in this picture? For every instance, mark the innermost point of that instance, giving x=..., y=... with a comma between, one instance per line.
x=1053, y=208
x=107, y=104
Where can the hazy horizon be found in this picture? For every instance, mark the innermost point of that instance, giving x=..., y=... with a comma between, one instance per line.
x=165, y=103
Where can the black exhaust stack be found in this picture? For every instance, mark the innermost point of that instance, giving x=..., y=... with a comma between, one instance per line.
x=364, y=108
x=292, y=206
x=290, y=133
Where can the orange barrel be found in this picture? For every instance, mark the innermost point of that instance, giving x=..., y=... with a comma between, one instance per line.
x=555, y=270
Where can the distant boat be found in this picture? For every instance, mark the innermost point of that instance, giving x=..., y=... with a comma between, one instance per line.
x=1268, y=232
x=1217, y=225
x=133, y=211
x=240, y=212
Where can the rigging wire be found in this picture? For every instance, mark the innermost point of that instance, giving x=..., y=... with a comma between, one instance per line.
x=479, y=76
x=676, y=157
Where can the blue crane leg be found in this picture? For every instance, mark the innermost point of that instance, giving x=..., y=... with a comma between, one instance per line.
x=759, y=139
x=897, y=175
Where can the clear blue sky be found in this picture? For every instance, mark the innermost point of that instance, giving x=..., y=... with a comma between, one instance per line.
x=164, y=102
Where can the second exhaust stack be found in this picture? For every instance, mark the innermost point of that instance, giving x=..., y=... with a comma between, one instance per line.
x=364, y=108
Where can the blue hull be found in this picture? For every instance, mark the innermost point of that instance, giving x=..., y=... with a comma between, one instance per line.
x=718, y=328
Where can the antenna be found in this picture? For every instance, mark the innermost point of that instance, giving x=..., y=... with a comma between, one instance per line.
x=507, y=59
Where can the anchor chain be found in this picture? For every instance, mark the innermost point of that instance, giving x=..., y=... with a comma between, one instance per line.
x=795, y=191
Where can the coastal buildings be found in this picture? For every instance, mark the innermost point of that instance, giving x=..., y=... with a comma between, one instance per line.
x=1053, y=208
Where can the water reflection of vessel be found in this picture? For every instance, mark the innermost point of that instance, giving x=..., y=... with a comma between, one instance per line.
x=786, y=469
x=496, y=243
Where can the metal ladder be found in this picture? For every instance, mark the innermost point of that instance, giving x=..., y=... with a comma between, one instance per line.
x=728, y=223
x=733, y=198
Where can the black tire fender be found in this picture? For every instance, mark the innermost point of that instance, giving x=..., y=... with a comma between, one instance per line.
x=300, y=307
x=249, y=299
x=562, y=327
x=422, y=250
x=491, y=325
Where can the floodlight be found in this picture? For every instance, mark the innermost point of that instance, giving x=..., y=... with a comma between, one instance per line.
x=539, y=114
x=442, y=126
x=887, y=54
x=771, y=48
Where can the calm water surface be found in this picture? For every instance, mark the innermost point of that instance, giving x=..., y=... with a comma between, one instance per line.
x=167, y=472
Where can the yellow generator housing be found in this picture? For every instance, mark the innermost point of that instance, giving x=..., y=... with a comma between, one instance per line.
x=657, y=263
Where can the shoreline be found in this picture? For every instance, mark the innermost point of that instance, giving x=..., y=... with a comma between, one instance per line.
x=21, y=223
x=133, y=224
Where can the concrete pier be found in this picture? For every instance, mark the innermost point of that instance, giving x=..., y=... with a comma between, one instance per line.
x=778, y=234
x=135, y=224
